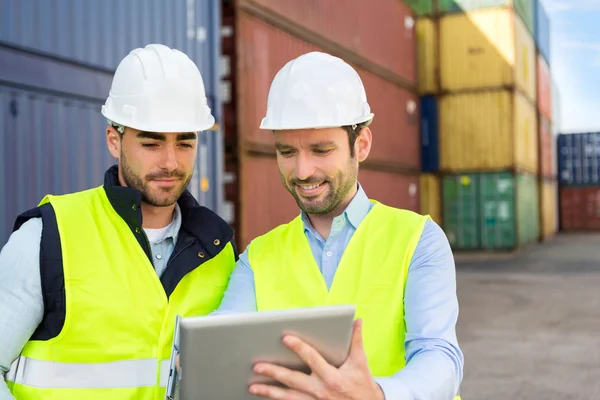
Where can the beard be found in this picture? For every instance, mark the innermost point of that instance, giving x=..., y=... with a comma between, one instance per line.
x=157, y=197
x=335, y=192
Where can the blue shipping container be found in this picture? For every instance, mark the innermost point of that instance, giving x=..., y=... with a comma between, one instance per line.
x=430, y=151
x=579, y=159
x=56, y=64
x=542, y=31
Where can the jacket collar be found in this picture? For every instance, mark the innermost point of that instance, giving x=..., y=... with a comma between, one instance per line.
x=199, y=221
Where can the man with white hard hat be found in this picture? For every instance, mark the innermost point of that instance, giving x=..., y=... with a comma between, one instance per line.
x=394, y=265
x=91, y=282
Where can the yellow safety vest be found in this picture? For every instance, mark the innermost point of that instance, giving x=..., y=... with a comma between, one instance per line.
x=118, y=331
x=371, y=275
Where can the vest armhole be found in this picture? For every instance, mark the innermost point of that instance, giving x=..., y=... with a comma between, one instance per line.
x=52, y=277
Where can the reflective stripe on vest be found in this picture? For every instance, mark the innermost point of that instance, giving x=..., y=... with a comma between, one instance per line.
x=118, y=374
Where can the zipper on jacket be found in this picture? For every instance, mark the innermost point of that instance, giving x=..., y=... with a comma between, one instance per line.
x=178, y=253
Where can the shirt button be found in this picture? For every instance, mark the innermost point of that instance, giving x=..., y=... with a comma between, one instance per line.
x=158, y=256
x=329, y=254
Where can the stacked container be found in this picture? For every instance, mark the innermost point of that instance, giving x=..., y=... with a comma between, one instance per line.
x=268, y=34
x=56, y=65
x=579, y=178
x=479, y=126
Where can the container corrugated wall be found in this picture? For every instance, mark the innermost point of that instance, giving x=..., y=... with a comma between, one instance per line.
x=546, y=151
x=491, y=130
x=548, y=208
x=489, y=48
x=431, y=197
x=490, y=210
x=579, y=159
x=542, y=30
x=56, y=71
x=430, y=150
x=524, y=8
x=422, y=7
x=356, y=26
x=580, y=208
x=427, y=55
x=544, y=88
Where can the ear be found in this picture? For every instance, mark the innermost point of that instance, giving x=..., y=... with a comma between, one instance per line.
x=363, y=144
x=113, y=141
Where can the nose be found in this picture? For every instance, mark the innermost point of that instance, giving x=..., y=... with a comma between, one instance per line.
x=169, y=159
x=304, y=166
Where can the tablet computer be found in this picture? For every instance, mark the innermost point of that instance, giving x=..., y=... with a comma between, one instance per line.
x=218, y=352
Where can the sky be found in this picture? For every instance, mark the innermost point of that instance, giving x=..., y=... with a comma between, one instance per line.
x=575, y=62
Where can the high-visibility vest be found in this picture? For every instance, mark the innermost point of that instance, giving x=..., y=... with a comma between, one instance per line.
x=117, y=336
x=371, y=275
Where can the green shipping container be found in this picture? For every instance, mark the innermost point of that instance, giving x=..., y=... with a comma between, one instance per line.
x=490, y=210
x=421, y=7
x=524, y=8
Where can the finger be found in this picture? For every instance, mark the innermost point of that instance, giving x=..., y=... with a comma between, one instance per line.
x=290, y=378
x=277, y=393
x=311, y=357
x=357, y=350
x=177, y=365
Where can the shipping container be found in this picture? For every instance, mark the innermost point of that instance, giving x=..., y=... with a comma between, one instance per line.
x=430, y=150
x=544, y=88
x=486, y=49
x=580, y=208
x=490, y=210
x=427, y=55
x=525, y=9
x=579, y=159
x=422, y=7
x=263, y=49
x=546, y=153
x=266, y=203
x=356, y=29
x=548, y=208
x=431, y=197
x=491, y=130
x=542, y=30
x=48, y=145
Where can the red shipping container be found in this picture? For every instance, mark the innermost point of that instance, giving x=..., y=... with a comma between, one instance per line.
x=263, y=49
x=265, y=203
x=544, y=88
x=580, y=208
x=546, y=143
x=382, y=31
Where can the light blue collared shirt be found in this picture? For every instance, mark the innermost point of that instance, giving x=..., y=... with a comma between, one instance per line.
x=434, y=365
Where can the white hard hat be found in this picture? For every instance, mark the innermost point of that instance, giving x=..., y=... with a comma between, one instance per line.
x=316, y=90
x=158, y=89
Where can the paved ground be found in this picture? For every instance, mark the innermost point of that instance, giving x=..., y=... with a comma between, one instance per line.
x=529, y=323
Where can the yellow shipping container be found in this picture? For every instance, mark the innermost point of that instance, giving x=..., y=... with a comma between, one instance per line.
x=488, y=48
x=431, y=197
x=490, y=130
x=548, y=209
x=427, y=56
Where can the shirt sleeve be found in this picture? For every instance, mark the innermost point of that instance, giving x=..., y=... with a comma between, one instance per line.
x=434, y=361
x=240, y=294
x=21, y=302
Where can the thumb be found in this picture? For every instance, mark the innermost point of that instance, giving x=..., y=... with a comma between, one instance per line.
x=357, y=351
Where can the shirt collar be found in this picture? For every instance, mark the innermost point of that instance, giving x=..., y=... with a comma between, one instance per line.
x=355, y=212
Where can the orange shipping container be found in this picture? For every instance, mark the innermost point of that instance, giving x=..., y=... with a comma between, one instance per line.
x=546, y=144
x=265, y=203
x=365, y=28
x=544, y=88
x=263, y=49
x=548, y=209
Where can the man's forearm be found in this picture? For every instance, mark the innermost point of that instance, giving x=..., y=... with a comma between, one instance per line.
x=430, y=374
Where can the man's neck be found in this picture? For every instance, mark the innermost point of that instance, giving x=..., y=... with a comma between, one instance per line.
x=156, y=217
x=322, y=222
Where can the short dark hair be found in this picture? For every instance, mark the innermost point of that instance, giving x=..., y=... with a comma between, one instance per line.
x=353, y=132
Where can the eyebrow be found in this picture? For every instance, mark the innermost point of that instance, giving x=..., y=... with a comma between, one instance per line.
x=162, y=137
x=325, y=143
